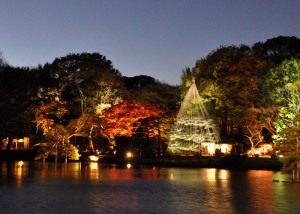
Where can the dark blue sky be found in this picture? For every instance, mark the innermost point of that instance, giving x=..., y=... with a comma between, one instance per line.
x=158, y=38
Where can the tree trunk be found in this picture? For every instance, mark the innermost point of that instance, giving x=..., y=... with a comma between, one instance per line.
x=91, y=145
x=112, y=142
x=224, y=126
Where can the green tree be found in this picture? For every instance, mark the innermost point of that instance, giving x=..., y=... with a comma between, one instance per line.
x=285, y=82
x=89, y=124
x=86, y=126
x=89, y=82
x=57, y=145
x=49, y=119
x=81, y=75
x=228, y=82
x=290, y=146
x=284, y=87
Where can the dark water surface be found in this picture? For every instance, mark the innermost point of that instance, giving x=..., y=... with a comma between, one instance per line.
x=94, y=188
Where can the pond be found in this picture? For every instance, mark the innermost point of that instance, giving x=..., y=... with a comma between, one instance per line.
x=35, y=187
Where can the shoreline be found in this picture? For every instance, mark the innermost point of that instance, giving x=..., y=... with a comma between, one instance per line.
x=225, y=162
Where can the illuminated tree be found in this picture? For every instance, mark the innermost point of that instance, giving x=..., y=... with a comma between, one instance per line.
x=290, y=147
x=194, y=128
x=285, y=80
x=87, y=125
x=152, y=133
x=186, y=79
x=81, y=75
x=259, y=127
x=285, y=90
x=57, y=144
x=228, y=82
x=120, y=119
x=56, y=137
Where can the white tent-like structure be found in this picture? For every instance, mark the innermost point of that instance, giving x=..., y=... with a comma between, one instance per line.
x=194, y=131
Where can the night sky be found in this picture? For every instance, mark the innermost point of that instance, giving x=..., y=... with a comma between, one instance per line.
x=158, y=38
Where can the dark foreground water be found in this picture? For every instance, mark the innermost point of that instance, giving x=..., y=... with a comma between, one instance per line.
x=94, y=188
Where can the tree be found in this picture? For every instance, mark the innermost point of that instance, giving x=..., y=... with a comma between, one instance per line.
x=3, y=62
x=90, y=122
x=258, y=126
x=120, y=119
x=290, y=147
x=285, y=80
x=81, y=75
x=17, y=87
x=186, y=80
x=57, y=144
x=87, y=125
x=228, y=82
x=278, y=49
x=285, y=90
x=146, y=91
x=56, y=136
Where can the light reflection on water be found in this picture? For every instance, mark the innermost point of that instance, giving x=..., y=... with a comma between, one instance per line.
x=94, y=188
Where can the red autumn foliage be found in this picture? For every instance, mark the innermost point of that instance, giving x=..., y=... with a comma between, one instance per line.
x=120, y=119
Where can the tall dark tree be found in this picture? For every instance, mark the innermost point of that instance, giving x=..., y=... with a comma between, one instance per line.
x=80, y=76
x=146, y=90
x=277, y=49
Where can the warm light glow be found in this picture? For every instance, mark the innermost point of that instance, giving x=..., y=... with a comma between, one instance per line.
x=172, y=176
x=262, y=150
x=211, y=148
x=224, y=148
x=94, y=166
x=93, y=158
x=129, y=155
x=128, y=166
x=211, y=175
x=20, y=163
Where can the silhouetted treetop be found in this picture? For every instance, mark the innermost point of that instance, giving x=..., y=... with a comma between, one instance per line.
x=138, y=82
x=278, y=49
x=82, y=65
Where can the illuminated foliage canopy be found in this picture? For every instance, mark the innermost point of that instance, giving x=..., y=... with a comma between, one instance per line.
x=56, y=136
x=234, y=82
x=79, y=76
x=193, y=127
x=285, y=81
x=120, y=120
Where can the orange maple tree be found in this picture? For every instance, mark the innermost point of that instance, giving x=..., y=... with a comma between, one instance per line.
x=121, y=119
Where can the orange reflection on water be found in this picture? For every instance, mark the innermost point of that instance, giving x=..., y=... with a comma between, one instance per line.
x=217, y=174
x=263, y=189
x=14, y=171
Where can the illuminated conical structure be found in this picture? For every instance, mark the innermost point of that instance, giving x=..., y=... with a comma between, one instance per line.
x=194, y=131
